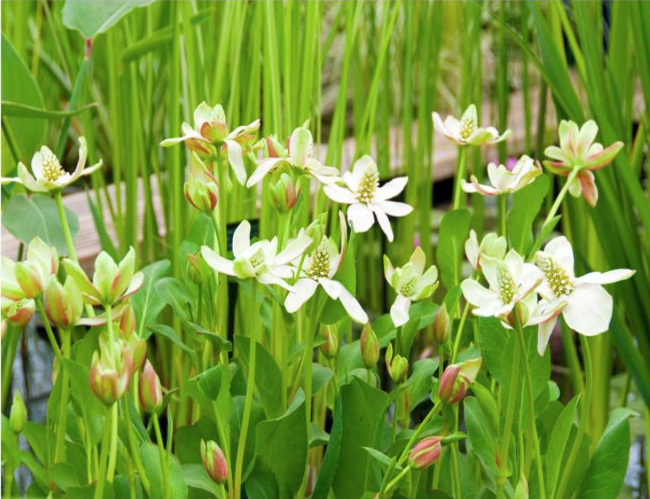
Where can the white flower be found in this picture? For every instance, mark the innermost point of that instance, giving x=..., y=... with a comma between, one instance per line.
x=210, y=129
x=365, y=197
x=411, y=283
x=466, y=131
x=299, y=156
x=510, y=280
x=503, y=180
x=492, y=246
x=48, y=173
x=259, y=260
x=319, y=269
x=586, y=306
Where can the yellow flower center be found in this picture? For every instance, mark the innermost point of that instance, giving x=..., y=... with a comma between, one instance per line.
x=258, y=258
x=368, y=185
x=407, y=288
x=467, y=125
x=52, y=169
x=558, y=279
x=507, y=286
x=320, y=261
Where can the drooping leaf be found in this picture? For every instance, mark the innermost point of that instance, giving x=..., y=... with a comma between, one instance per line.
x=18, y=110
x=557, y=445
x=91, y=19
x=525, y=206
x=481, y=435
x=452, y=235
x=38, y=216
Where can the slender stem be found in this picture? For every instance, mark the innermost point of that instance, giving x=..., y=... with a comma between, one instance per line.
x=135, y=452
x=225, y=441
x=454, y=461
x=163, y=456
x=460, y=175
x=9, y=480
x=393, y=432
x=222, y=279
x=64, y=225
x=459, y=333
x=48, y=329
x=99, y=490
x=531, y=407
x=503, y=211
x=59, y=449
x=584, y=416
x=112, y=456
x=309, y=352
x=248, y=402
x=507, y=430
x=395, y=480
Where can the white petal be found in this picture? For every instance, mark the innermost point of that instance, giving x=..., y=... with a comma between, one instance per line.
x=83, y=153
x=562, y=252
x=37, y=165
x=332, y=288
x=589, y=309
x=399, y=311
x=384, y=223
x=544, y=331
x=360, y=217
x=352, y=306
x=269, y=278
x=303, y=290
x=531, y=277
x=295, y=248
x=606, y=277
x=394, y=208
x=339, y=194
x=391, y=189
x=241, y=239
x=217, y=262
x=472, y=249
x=236, y=160
x=476, y=293
x=264, y=167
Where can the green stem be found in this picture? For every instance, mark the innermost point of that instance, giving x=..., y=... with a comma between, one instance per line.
x=459, y=333
x=9, y=481
x=225, y=441
x=163, y=456
x=460, y=175
x=64, y=225
x=582, y=427
x=48, y=329
x=250, y=388
x=135, y=452
x=507, y=430
x=531, y=407
x=222, y=279
x=503, y=210
x=393, y=432
x=112, y=456
x=59, y=449
x=396, y=480
x=454, y=461
x=99, y=490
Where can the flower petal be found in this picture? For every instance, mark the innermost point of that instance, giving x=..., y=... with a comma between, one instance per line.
x=28, y=181
x=303, y=290
x=477, y=294
x=605, y=277
x=560, y=249
x=391, y=189
x=352, y=306
x=589, y=309
x=360, y=217
x=399, y=311
x=295, y=248
x=588, y=186
x=236, y=160
x=263, y=168
x=331, y=287
x=81, y=162
x=544, y=331
x=394, y=208
x=384, y=223
x=241, y=239
x=340, y=194
x=217, y=262
x=270, y=278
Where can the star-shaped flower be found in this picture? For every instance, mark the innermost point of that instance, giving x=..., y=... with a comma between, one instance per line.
x=504, y=180
x=466, y=130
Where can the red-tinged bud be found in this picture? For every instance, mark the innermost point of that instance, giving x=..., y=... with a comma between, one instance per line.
x=127, y=322
x=193, y=268
x=456, y=380
x=202, y=191
x=137, y=350
x=285, y=189
x=330, y=348
x=214, y=461
x=20, y=312
x=109, y=378
x=30, y=278
x=63, y=304
x=369, y=347
x=150, y=391
x=425, y=453
x=442, y=325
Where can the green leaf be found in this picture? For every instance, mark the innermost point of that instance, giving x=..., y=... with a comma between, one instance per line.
x=19, y=86
x=38, y=216
x=480, y=435
x=90, y=19
x=452, y=235
x=526, y=204
x=420, y=381
x=170, y=334
x=332, y=453
x=147, y=302
x=363, y=410
x=268, y=377
x=100, y=227
x=608, y=465
x=196, y=476
x=92, y=409
x=557, y=444
x=494, y=338
x=19, y=110
x=281, y=447
x=151, y=462
x=261, y=485
x=211, y=389
x=383, y=459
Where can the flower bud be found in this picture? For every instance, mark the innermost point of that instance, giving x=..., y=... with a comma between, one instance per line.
x=18, y=414
x=127, y=322
x=369, y=347
x=193, y=268
x=137, y=350
x=398, y=366
x=210, y=122
x=63, y=304
x=109, y=378
x=202, y=191
x=442, y=325
x=330, y=348
x=316, y=230
x=456, y=380
x=285, y=189
x=274, y=148
x=30, y=278
x=301, y=146
x=214, y=461
x=20, y=312
x=150, y=391
x=425, y=453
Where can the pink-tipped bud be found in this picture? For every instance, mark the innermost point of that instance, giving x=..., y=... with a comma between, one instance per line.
x=442, y=325
x=127, y=322
x=109, y=379
x=202, y=191
x=137, y=350
x=456, y=380
x=425, y=453
x=330, y=347
x=285, y=189
x=63, y=304
x=20, y=312
x=150, y=391
x=369, y=347
x=30, y=278
x=214, y=461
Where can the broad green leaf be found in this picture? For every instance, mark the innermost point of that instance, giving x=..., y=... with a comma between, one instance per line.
x=488, y=405
x=261, y=485
x=146, y=302
x=608, y=465
x=363, y=410
x=332, y=453
x=494, y=338
x=481, y=435
x=211, y=389
x=557, y=445
x=268, y=377
x=92, y=409
x=317, y=436
x=151, y=462
x=93, y=18
x=319, y=377
x=38, y=216
x=452, y=235
x=19, y=86
x=196, y=476
x=281, y=447
x=525, y=206
x=420, y=381
x=18, y=110
x=170, y=334
x=64, y=475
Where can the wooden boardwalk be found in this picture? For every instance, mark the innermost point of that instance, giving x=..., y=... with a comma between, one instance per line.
x=444, y=163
